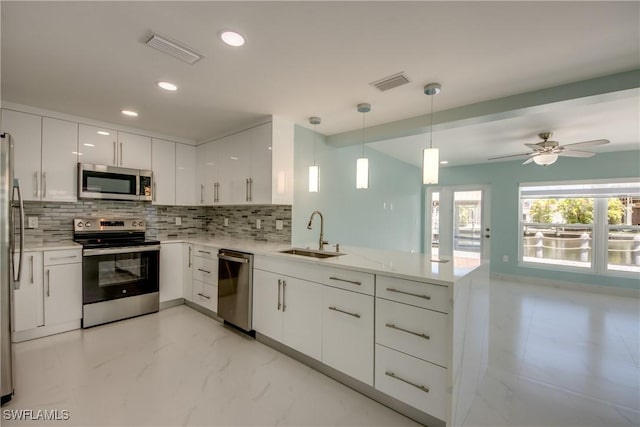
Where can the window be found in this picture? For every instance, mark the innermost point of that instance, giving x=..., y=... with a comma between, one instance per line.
x=591, y=226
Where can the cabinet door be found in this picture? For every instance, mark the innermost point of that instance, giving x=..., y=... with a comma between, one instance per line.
x=28, y=310
x=97, y=145
x=171, y=271
x=207, y=172
x=62, y=293
x=302, y=307
x=235, y=169
x=261, y=177
x=59, y=160
x=187, y=271
x=134, y=151
x=267, y=304
x=347, y=333
x=186, y=176
x=163, y=165
x=26, y=130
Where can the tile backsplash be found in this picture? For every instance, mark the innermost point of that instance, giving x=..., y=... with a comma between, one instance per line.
x=55, y=219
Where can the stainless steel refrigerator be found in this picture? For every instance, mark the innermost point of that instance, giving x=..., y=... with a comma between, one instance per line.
x=10, y=260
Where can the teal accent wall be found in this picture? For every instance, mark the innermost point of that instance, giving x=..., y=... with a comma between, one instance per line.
x=504, y=179
x=386, y=216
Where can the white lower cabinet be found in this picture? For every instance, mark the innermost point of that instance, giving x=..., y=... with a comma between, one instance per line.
x=205, y=295
x=420, y=384
x=49, y=299
x=347, y=332
x=288, y=310
x=204, y=290
x=172, y=271
x=187, y=271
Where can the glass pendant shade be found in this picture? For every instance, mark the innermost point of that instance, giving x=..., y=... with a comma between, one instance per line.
x=545, y=159
x=362, y=173
x=430, y=165
x=314, y=179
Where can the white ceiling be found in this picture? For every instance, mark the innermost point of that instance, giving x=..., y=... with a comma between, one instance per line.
x=306, y=58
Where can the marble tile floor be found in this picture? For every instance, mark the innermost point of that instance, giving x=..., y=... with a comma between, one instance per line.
x=557, y=358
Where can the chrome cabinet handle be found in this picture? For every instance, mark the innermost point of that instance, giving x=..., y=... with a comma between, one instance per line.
x=31, y=262
x=48, y=282
x=35, y=184
x=418, y=334
x=421, y=387
x=201, y=193
x=250, y=190
x=155, y=189
x=279, y=285
x=204, y=271
x=114, y=153
x=190, y=249
x=204, y=252
x=353, y=282
x=284, y=292
x=44, y=184
x=408, y=293
x=53, y=258
x=246, y=190
x=121, y=150
x=216, y=189
x=204, y=296
x=345, y=312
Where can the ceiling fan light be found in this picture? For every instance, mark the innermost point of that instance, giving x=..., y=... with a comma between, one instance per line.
x=545, y=159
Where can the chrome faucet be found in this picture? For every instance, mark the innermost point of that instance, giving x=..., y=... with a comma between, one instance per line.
x=321, y=241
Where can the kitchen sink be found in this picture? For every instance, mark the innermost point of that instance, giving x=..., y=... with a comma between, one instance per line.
x=311, y=253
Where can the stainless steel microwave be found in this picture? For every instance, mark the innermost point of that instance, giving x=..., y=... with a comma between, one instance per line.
x=112, y=183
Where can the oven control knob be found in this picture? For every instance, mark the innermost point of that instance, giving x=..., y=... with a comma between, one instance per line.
x=141, y=223
x=87, y=224
x=79, y=224
x=133, y=223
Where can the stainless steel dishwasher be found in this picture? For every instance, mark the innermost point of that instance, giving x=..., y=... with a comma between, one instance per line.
x=235, y=288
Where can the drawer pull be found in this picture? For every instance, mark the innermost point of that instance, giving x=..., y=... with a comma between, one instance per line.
x=408, y=293
x=421, y=387
x=345, y=280
x=204, y=296
x=204, y=252
x=345, y=312
x=418, y=334
x=54, y=258
x=204, y=271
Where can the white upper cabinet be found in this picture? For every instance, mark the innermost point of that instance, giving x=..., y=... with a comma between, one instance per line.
x=163, y=165
x=98, y=145
x=186, y=176
x=207, y=172
x=45, y=155
x=134, y=151
x=261, y=159
x=59, y=160
x=26, y=130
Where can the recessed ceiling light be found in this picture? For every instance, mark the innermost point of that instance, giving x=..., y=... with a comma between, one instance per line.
x=103, y=132
x=444, y=162
x=168, y=86
x=232, y=38
x=129, y=113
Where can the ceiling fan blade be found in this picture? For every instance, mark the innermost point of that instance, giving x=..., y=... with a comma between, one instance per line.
x=513, y=156
x=574, y=153
x=526, y=162
x=586, y=144
x=533, y=146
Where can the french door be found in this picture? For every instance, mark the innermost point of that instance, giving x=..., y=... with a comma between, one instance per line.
x=457, y=223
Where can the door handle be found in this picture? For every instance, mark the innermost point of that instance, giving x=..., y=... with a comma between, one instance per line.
x=190, y=249
x=114, y=153
x=246, y=190
x=31, y=262
x=155, y=189
x=279, y=285
x=201, y=193
x=250, y=190
x=48, y=282
x=121, y=150
x=35, y=184
x=284, y=293
x=44, y=184
x=17, y=277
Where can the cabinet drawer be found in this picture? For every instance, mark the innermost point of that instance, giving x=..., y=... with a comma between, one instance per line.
x=205, y=270
x=68, y=256
x=205, y=252
x=292, y=268
x=412, y=381
x=420, y=294
x=205, y=295
x=356, y=281
x=347, y=332
x=412, y=330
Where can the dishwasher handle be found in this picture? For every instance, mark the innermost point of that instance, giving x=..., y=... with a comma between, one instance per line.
x=233, y=259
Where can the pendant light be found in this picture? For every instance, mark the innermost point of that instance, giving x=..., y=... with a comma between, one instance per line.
x=314, y=169
x=362, y=164
x=431, y=156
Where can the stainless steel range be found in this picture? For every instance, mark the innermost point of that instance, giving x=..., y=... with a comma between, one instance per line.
x=120, y=269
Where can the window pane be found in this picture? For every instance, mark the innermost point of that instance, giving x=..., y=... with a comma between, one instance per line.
x=467, y=226
x=567, y=245
x=623, y=245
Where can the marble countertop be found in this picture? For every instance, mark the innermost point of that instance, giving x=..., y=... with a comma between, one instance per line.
x=404, y=265
x=51, y=246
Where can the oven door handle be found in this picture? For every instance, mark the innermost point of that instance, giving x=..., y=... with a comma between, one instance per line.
x=125, y=250
x=233, y=259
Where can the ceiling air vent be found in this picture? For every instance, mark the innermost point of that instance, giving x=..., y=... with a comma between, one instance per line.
x=173, y=48
x=390, y=82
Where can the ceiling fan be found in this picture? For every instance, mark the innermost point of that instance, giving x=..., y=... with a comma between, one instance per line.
x=546, y=152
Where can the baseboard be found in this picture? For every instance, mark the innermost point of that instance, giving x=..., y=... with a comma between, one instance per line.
x=171, y=303
x=203, y=310
x=365, y=389
x=563, y=284
x=44, y=331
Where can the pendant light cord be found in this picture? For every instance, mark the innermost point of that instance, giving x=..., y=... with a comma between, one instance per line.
x=431, y=125
x=314, y=145
x=362, y=134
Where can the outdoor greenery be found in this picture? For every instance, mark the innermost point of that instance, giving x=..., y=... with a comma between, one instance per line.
x=615, y=211
x=573, y=211
x=542, y=210
x=576, y=211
